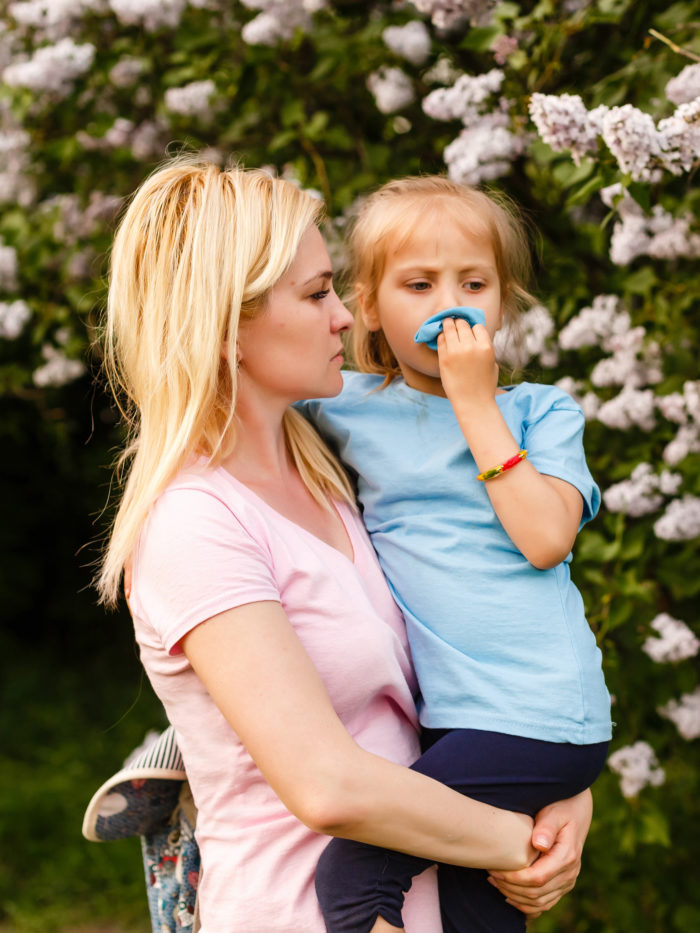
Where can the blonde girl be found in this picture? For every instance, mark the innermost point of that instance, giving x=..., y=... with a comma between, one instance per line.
x=262, y=617
x=473, y=495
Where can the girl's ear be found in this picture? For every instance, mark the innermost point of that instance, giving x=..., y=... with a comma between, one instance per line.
x=368, y=312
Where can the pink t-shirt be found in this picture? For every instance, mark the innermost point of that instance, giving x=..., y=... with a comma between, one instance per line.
x=211, y=544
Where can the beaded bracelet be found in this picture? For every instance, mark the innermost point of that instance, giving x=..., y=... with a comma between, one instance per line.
x=502, y=467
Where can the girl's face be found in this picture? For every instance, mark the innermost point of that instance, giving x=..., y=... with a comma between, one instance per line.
x=442, y=265
x=292, y=349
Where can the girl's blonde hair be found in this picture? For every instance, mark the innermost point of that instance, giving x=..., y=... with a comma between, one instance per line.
x=197, y=250
x=385, y=222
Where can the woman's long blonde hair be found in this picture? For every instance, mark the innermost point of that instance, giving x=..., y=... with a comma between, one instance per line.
x=197, y=250
x=385, y=222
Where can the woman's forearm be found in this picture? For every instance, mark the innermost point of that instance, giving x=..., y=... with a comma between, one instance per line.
x=384, y=804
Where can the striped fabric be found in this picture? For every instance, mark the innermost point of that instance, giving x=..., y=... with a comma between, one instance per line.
x=142, y=795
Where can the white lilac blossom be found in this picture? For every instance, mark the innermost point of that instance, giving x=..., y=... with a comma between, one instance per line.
x=637, y=766
x=58, y=370
x=530, y=337
x=683, y=409
x=674, y=641
x=563, y=122
x=449, y=14
x=52, y=68
x=463, y=100
x=15, y=186
x=278, y=19
x=191, y=99
x=8, y=268
x=680, y=521
x=643, y=492
x=603, y=320
x=126, y=72
x=483, y=151
x=631, y=136
x=411, y=41
x=590, y=405
x=151, y=14
x=631, y=408
x=679, y=137
x=76, y=222
x=685, y=86
x=392, y=89
x=684, y=714
x=53, y=19
x=659, y=235
x=13, y=316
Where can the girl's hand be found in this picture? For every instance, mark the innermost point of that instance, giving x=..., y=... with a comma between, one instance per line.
x=559, y=834
x=467, y=360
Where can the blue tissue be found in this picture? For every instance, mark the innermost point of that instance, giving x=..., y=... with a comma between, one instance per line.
x=429, y=330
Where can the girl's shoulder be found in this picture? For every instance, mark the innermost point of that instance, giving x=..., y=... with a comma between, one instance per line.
x=537, y=398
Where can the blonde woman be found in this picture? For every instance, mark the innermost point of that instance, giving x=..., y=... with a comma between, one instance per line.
x=263, y=620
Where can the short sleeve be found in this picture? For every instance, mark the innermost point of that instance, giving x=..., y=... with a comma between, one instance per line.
x=554, y=443
x=194, y=560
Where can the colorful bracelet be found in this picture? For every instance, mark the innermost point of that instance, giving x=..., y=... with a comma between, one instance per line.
x=501, y=468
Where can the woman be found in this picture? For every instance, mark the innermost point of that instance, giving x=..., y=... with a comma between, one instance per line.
x=262, y=617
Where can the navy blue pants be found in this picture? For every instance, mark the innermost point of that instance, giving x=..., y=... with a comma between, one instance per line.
x=356, y=883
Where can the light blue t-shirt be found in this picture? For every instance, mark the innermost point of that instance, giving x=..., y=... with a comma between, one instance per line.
x=497, y=644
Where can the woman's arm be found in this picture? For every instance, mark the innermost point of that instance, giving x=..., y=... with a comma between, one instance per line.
x=560, y=833
x=259, y=675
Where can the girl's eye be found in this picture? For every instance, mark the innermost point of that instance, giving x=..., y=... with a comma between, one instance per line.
x=419, y=286
x=319, y=296
x=475, y=286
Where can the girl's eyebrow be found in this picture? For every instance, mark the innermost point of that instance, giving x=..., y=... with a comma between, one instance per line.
x=315, y=278
x=414, y=269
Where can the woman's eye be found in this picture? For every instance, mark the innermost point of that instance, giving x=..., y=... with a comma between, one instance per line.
x=319, y=296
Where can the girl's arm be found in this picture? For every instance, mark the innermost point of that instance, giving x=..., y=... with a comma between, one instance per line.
x=540, y=514
x=259, y=675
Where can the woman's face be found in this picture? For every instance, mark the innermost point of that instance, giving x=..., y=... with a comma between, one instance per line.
x=292, y=349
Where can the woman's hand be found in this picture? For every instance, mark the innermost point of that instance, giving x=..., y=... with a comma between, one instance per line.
x=559, y=834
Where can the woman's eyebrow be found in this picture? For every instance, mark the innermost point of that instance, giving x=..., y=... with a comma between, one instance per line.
x=319, y=275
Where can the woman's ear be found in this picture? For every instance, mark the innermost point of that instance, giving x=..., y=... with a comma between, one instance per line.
x=368, y=312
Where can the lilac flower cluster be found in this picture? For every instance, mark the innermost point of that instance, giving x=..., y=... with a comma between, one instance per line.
x=278, y=20
x=51, y=69
x=683, y=409
x=680, y=521
x=640, y=147
x=392, y=89
x=684, y=714
x=643, y=492
x=659, y=235
x=192, y=99
x=411, y=41
x=674, y=641
x=487, y=145
x=532, y=336
x=637, y=766
x=13, y=317
x=448, y=15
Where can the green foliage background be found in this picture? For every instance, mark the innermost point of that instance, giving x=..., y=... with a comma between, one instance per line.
x=73, y=702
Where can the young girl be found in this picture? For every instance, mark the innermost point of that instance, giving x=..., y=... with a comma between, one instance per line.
x=473, y=495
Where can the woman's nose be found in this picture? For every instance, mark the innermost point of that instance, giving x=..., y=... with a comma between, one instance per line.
x=341, y=318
